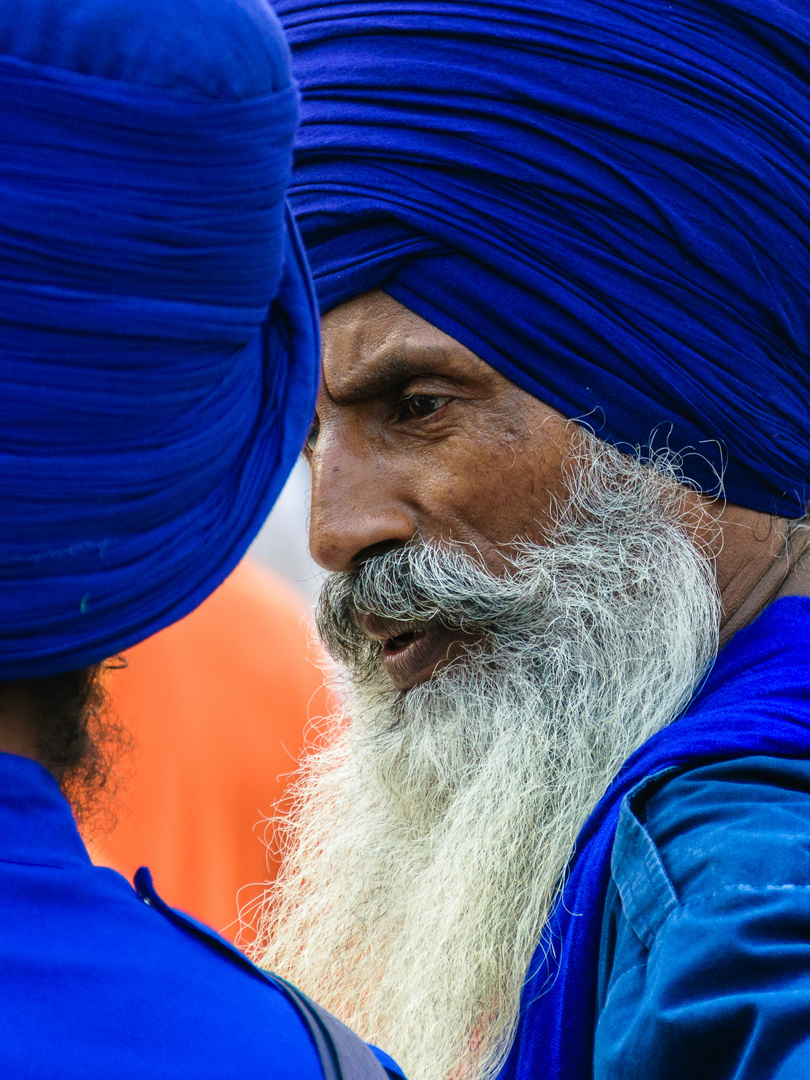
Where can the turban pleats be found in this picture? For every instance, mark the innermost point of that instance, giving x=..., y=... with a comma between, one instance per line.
x=609, y=201
x=158, y=344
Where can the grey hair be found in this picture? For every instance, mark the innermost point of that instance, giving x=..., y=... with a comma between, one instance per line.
x=431, y=833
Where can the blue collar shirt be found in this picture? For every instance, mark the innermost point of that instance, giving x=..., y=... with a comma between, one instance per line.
x=99, y=981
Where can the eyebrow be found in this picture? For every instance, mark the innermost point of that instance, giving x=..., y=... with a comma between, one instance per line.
x=384, y=373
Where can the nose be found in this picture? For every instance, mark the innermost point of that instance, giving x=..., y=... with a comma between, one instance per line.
x=358, y=508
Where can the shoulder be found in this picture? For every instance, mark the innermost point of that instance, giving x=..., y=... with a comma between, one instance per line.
x=328, y=1042
x=705, y=963
x=738, y=822
x=120, y=985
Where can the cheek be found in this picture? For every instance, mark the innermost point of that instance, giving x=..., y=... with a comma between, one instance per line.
x=517, y=499
x=494, y=492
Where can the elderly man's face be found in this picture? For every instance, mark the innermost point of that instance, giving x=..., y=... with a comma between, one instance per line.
x=417, y=436
x=514, y=608
x=576, y=592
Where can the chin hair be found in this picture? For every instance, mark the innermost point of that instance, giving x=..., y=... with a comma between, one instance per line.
x=430, y=832
x=76, y=738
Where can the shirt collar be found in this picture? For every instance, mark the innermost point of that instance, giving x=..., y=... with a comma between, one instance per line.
x=36, y=822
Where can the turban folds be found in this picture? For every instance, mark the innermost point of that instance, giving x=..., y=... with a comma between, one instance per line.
x=607, y=200
x=158, y=334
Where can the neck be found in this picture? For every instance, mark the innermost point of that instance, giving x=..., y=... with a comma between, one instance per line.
x=17, y=728
x=797, y=580
x=762, y=559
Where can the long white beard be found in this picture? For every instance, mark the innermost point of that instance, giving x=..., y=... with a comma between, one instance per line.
x=431, y=831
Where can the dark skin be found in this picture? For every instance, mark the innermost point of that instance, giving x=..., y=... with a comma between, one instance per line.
x=60, y=722
x=48, y=719
x=417, y=436
x=16, y=733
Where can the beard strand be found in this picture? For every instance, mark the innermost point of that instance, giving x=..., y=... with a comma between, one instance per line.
x=429, y=834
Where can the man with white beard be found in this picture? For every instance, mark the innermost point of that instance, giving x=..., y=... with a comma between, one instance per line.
x=507, y=860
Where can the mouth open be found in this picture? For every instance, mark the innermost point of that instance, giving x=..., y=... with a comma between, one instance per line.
x=413, y=656
x=393, y=645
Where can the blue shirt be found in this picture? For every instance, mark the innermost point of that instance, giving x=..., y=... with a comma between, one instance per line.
x=595, y=1004
x=705, y=960
x=95, y=982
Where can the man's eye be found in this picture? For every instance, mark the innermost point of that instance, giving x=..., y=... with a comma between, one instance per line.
x=312, y=437
x=422, y=405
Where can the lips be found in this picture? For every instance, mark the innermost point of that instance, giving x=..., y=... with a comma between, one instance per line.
x=411, y=653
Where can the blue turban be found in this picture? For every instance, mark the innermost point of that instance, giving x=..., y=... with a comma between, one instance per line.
x=606, y=200
x=158, y=334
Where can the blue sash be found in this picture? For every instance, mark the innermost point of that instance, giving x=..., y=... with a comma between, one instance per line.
x=756, y=701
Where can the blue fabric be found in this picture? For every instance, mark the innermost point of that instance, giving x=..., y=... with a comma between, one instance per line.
x=147, y=892
x=95, y=983
x=158, y=332
x=756, y=701
x=607, y=200
x=387, y=1063
x=705, y=957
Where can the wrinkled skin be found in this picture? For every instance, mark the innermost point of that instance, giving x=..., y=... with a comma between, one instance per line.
x=417, y=436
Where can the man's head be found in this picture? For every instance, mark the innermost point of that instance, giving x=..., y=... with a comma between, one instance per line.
x=157, y=329
x=518, y=217
x=492, y=691
x=515, y=607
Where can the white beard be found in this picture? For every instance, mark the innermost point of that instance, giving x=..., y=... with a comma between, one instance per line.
x=431, y=831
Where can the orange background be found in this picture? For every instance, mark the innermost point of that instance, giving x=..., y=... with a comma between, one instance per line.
x=218, y=705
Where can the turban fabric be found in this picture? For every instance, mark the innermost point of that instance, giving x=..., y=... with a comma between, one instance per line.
x=158, y=333
x=606, y=200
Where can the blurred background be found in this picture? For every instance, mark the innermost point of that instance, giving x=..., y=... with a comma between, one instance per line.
x=219, y=707
x=282, y=543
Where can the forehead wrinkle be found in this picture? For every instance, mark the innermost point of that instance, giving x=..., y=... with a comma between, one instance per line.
x=379, y=374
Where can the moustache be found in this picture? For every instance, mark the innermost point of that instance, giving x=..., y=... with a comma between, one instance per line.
x=422, y=584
